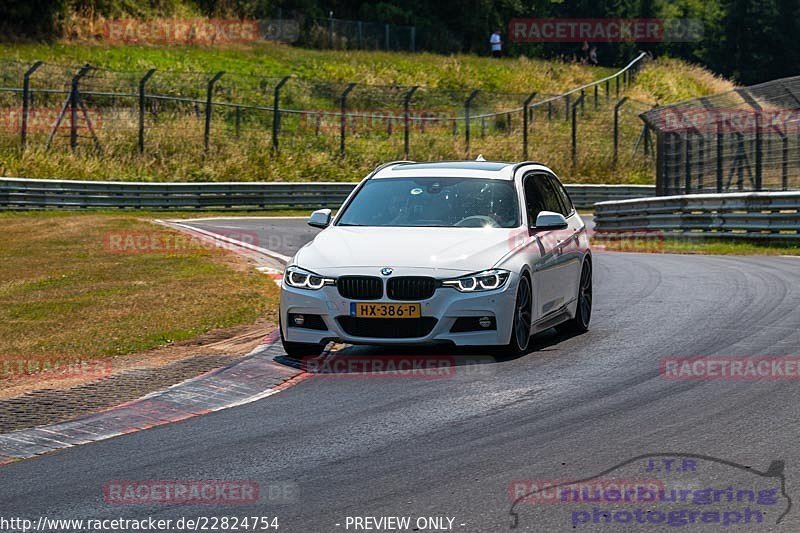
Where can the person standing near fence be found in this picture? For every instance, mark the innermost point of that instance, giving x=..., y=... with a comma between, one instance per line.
x=496, y=44
x=584, y=58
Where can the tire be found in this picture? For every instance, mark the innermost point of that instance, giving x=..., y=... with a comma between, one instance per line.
x=521, y=329
x=583, y=310
x=299, y=350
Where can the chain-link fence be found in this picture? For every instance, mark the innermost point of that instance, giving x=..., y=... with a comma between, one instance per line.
x=168, y=117
x=747, y=139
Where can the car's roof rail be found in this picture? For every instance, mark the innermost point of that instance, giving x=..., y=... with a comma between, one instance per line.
x=385, y=165
x=524, y=164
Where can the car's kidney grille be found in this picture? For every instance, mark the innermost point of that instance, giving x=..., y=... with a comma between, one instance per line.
x=410, y=288
x=360, y=287
x=387, y=328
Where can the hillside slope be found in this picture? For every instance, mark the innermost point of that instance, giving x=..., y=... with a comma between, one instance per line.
x=240, y=142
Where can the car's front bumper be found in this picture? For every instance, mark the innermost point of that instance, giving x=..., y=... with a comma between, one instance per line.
x=446, y=306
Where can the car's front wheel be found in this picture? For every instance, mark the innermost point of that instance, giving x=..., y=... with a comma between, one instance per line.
x=299, y=350
x=521, y=329
x=583, y=311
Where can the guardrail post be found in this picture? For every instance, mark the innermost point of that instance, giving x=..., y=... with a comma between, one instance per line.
x=142, y=103
x=26, y=88
x=595, y=97
x=583, y=93
x=407, y=118
x=608, y=90
x=209, y=103
x=343, y=117
x=616, y=127
x=567, y=106
x=467, y=106
x=276, y=113
x=574, y=133
x=549, y=110
x=525, y=119
x=617, y=82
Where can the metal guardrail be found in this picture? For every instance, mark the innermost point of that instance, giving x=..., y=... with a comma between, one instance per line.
x=20, y=193
x=774, y=215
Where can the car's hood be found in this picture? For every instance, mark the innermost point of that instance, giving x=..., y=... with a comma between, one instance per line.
x=353, y=248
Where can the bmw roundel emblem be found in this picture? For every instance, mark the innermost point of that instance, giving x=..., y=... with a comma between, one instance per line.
x=386, y=271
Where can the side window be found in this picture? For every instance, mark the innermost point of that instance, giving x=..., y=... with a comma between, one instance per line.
x=563, y=196
x=533, y=199
x=551, y=199
x=540, y=196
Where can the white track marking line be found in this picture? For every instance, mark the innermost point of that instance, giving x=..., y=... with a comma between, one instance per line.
x=269, y=253
x=179, y=220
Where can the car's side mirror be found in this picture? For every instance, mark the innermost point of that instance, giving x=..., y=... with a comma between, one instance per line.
x=320, y=218
x=548, y=220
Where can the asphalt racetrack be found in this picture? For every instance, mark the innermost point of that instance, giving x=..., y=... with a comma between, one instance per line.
x=469, y=445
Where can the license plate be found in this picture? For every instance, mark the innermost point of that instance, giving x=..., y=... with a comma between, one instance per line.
x=377, y=310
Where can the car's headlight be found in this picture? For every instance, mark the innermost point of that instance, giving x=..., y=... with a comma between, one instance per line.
x=300, y=278
x=488, y=280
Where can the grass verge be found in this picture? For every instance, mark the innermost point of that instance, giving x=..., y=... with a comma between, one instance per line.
x=66, y=298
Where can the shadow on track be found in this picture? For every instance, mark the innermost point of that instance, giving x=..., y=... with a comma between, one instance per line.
x=424, y=360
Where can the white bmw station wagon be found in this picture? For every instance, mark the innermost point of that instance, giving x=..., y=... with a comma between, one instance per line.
x=461, y=252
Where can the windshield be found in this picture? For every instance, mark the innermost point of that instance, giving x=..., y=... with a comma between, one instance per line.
x=434, y=202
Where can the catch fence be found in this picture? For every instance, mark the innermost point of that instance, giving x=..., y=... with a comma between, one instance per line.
x=169, y=114
x=747, y=139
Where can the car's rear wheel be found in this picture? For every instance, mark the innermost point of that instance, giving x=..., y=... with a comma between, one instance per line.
x=298, y=350
x=521, y=329
x=583, y=311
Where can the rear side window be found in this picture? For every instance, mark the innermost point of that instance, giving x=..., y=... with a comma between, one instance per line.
x=567, y=208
